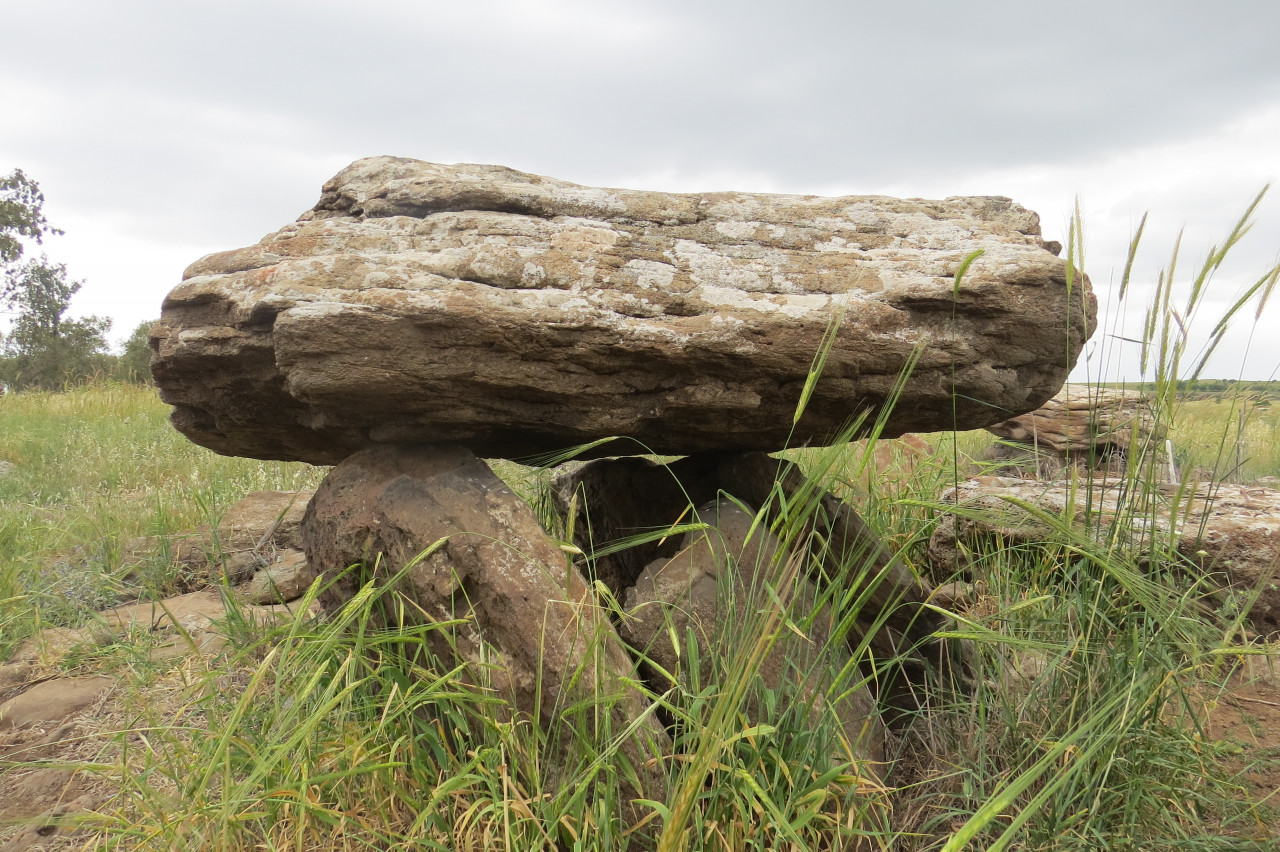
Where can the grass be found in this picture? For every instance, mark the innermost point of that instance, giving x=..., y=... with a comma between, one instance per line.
x=1068, y=709
x=94, y=469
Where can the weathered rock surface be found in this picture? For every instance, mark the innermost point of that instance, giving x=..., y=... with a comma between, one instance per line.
x=182, y=625
x=1231, y=533
x=53, y=700
x=715, y=586
x=1091, y=426
x=265, y=519
x=254, y=532
x=517, y=314
x=54, y=826
x=495, y=569
x=285, y=579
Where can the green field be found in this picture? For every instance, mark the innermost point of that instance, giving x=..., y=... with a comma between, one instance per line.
x=323, y=735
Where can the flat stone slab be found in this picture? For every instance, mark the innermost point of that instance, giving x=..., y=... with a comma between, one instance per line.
x=517, y=314
x=52, y=701
x=1229, y=533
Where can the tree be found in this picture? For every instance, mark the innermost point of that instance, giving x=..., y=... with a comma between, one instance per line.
x=135, y=363
x=43, y=349
x=21, y=215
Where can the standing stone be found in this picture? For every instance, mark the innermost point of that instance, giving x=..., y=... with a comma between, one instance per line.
x=518, y=314
x=648, y=498
x=487, y=564
x=720, y=588
x=618, y=499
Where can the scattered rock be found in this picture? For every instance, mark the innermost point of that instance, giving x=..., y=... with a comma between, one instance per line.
x=1231, y=533
x=286, y=579
x=518, y=314
x=191, y=612
x=59, y=820
x=253, y=531
x=895, y=464
x=54, y=643
x=1094, y=427
x=186, y=624
x=13, y=676
x=31, y=792
x=955, y=596
x=1022, y=668
x=51, y=701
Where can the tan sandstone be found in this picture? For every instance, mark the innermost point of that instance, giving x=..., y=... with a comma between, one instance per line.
x=517, y=314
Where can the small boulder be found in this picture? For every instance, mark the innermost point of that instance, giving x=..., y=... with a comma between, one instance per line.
x=253, y=530
x=284, y=580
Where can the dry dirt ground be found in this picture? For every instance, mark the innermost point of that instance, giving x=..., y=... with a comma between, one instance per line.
x=1247, y=713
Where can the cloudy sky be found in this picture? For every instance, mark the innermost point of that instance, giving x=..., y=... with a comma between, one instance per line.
x=161, y=131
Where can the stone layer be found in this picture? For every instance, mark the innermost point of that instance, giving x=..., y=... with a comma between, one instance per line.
x=517, y=314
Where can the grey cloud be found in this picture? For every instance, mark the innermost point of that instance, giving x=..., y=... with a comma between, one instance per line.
x=208, y=123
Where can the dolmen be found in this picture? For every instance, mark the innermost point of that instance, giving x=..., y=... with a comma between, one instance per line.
x=421, y=318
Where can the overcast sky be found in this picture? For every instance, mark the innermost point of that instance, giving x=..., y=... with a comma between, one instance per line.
x=162, y=131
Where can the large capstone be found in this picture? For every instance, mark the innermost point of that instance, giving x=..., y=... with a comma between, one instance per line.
x=517, y=314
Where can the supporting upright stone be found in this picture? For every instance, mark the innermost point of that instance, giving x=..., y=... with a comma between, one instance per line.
x=439, y=528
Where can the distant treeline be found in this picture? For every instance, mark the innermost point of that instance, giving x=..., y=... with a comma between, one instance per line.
x=1210, y=387
x=58, y=359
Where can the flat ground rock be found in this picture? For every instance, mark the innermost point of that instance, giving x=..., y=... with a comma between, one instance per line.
x=1230, y=532
x=518, y=314
x=52, y=701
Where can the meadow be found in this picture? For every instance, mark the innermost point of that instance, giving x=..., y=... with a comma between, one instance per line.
x=337, y=737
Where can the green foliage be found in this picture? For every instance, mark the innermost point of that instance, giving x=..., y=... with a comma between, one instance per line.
x=92, y=468
x=134, y=363
x=21, y=215
x=43, y=349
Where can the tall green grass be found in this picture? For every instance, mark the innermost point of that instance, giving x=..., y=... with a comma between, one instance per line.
x=94, y=468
